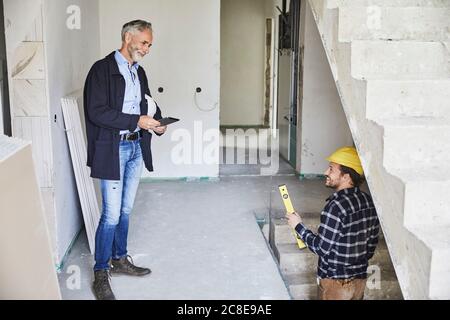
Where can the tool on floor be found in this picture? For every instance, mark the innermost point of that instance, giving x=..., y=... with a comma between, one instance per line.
x=290, y=209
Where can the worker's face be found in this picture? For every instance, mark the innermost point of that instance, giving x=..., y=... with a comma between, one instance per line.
x=138, y=44
x=334, y=176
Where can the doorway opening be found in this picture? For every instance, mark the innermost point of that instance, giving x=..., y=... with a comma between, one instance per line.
x=246, y=63
x=288, y=79
x=247, y=99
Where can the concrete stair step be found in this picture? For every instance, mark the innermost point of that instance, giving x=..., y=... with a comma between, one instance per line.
x=282, y=233
x=426, y=191
x=383, y=286
x=400, y=60
x=394, y=23
x=303, y=291
x=422, y=175
x=302, y=286
x=279, y=214
x=421, y=263
x=294, y=260
x=424, y=142
x=388, y=290
x=301, y=278
x=388, y=99
x=333, y=4
x=437, y=244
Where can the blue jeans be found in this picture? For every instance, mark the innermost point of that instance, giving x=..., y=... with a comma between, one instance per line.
x=118, y=199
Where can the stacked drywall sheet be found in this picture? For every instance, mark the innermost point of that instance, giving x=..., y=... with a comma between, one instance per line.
x=26, y=264
x=85, y=184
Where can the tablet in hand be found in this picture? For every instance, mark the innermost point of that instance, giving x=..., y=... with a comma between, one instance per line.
x=167, y=120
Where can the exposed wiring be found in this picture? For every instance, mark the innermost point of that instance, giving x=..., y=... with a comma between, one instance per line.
x=201, y=109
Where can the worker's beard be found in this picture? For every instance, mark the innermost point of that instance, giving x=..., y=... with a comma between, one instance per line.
x=329, y=183
x=135, y=55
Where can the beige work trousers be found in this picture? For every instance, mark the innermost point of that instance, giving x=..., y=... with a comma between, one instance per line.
x=341, y=289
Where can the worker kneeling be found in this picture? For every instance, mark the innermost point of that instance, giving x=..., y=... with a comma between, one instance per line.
x=348, y=231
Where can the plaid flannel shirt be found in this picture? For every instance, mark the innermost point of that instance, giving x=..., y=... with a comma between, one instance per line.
x=347, y=235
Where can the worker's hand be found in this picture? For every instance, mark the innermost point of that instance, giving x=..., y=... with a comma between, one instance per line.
x=293, y=219
x=160, y=130
x=148, y=123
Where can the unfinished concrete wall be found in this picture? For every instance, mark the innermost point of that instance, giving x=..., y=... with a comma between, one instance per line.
x=242, y=62
x=49, y=54
x=398, y=114
x=185, y=55
x=27, y=89
x=322, y=120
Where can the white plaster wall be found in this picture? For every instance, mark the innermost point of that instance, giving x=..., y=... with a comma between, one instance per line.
x=323, y=122
x=242, y=62
x=69, y=55
x=185, y=55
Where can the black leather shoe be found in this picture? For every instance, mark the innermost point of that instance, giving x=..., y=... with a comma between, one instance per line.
x=101, y=286
x=125, y=266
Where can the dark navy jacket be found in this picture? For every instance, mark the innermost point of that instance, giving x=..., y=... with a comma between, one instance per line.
x=104, y=92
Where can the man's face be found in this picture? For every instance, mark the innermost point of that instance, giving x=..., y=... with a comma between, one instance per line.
x=334, y=177
x=138, y=44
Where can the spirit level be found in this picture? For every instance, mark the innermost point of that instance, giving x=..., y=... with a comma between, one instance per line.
x=290, y=209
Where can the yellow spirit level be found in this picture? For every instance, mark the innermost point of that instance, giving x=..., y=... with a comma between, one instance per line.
x=290, y=209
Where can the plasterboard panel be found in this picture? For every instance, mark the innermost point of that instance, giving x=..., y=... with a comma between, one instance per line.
x=29, y=98
x=37, y=131
x=24, y=240
x=28, y=61
x=36, y=29
x=9, y=146
x=85, y=184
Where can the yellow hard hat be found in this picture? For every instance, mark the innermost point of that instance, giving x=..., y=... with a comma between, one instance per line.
x=347, y=156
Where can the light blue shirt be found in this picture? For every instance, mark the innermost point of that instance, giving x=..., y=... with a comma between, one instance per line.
x=132, y=98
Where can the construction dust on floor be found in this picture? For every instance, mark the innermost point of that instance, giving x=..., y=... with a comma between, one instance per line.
x=201, y=239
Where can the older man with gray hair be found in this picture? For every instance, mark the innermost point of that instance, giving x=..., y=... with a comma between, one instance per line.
x=119, y=142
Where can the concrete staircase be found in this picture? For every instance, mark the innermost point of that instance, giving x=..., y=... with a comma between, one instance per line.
x=391, y=63
x=299, y=267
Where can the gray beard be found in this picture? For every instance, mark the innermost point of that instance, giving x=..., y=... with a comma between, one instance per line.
x=136, y=56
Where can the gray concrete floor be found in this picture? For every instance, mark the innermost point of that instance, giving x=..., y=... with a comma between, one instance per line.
x=201, y=240
x=231, y=170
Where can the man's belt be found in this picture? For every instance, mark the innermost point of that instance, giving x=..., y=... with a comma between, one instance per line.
x=131, y=136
